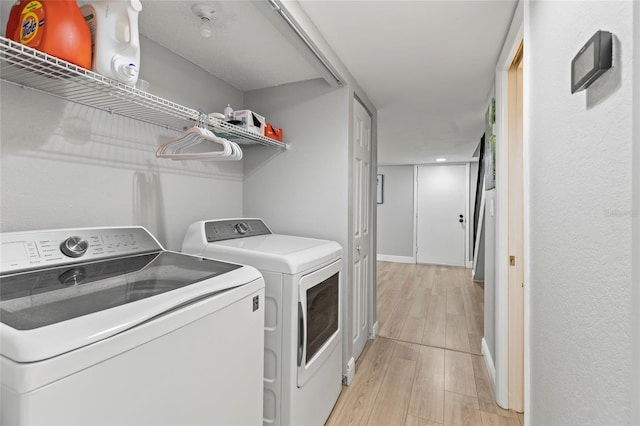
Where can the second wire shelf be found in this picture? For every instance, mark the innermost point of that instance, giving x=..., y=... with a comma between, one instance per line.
x=30, y=68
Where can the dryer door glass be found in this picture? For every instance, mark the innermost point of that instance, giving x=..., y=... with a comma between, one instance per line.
x=322, y=314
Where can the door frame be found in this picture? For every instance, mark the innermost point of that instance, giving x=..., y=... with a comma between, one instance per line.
x=515, y=37
x=636, y=220
x=516, y=233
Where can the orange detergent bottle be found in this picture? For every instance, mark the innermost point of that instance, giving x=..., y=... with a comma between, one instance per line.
x=55, y=27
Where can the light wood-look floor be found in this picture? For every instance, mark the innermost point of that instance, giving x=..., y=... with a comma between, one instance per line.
x=426, y=367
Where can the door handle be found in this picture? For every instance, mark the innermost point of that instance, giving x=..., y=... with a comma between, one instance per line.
x=301, y=332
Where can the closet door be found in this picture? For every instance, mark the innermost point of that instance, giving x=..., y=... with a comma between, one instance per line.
x=362, y=264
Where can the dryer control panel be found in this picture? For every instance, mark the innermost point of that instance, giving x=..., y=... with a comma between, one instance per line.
x=228, y=229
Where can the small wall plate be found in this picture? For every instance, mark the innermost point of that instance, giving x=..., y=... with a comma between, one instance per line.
x=593, y=59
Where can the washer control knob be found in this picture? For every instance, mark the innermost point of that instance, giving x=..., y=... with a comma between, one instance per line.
x=242, y=228
x=74, y=246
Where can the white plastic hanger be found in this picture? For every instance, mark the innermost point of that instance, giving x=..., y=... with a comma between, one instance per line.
x=189, y=146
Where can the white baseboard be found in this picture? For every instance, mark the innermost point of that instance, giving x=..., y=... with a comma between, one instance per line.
x=473, y=277
x=347, y=377
x=396, y=259
x=488, y=361
x=374, y=331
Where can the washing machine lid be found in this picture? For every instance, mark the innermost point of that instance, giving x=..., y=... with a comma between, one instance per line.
x=47, y=311
x=250, y=242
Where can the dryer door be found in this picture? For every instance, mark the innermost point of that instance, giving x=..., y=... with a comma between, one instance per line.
x=319, y=323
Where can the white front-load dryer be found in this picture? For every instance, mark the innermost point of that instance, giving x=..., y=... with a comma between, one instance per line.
x=303, y=326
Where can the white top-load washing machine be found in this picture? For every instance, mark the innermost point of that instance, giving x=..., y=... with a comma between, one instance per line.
x=303, y=328
x=103, y=326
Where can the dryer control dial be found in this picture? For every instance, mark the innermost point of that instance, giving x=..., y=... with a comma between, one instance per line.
x=74, y=246
x=242, y=228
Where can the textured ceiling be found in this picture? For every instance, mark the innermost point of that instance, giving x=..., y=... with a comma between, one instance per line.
x=245, y=49
x=428, y=66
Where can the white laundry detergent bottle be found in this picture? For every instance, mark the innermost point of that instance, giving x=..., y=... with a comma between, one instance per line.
x=115, y=38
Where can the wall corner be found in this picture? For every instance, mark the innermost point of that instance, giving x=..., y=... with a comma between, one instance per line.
x=635, y=225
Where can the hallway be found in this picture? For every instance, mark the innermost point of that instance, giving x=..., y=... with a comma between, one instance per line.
x=425, y=368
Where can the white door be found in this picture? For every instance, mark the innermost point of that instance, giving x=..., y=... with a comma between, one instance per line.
x=441, y=210
x=361, y=227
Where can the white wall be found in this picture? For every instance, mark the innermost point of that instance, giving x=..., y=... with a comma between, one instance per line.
x=636, y=213
x=580, y=240
x=395, y=214
x=66, y=165
x=303, y=190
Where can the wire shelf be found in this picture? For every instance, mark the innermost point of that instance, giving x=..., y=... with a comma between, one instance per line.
x=27, y=67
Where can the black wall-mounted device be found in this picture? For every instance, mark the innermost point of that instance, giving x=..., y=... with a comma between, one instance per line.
x=591, y=61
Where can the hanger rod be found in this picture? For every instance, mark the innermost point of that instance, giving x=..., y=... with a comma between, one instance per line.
x=290, y=20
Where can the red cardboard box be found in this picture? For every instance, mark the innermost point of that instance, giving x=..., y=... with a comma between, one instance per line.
x=273, y=132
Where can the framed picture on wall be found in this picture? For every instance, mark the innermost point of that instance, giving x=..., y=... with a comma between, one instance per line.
x=379, y=189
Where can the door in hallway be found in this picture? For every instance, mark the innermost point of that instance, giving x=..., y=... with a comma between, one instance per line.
x=516, y=233
x=441, y=214
x=362, y=283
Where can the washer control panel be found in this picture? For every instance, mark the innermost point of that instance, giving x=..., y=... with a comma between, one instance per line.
x=35, y=249
x=74, y=246
x=229, y=229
